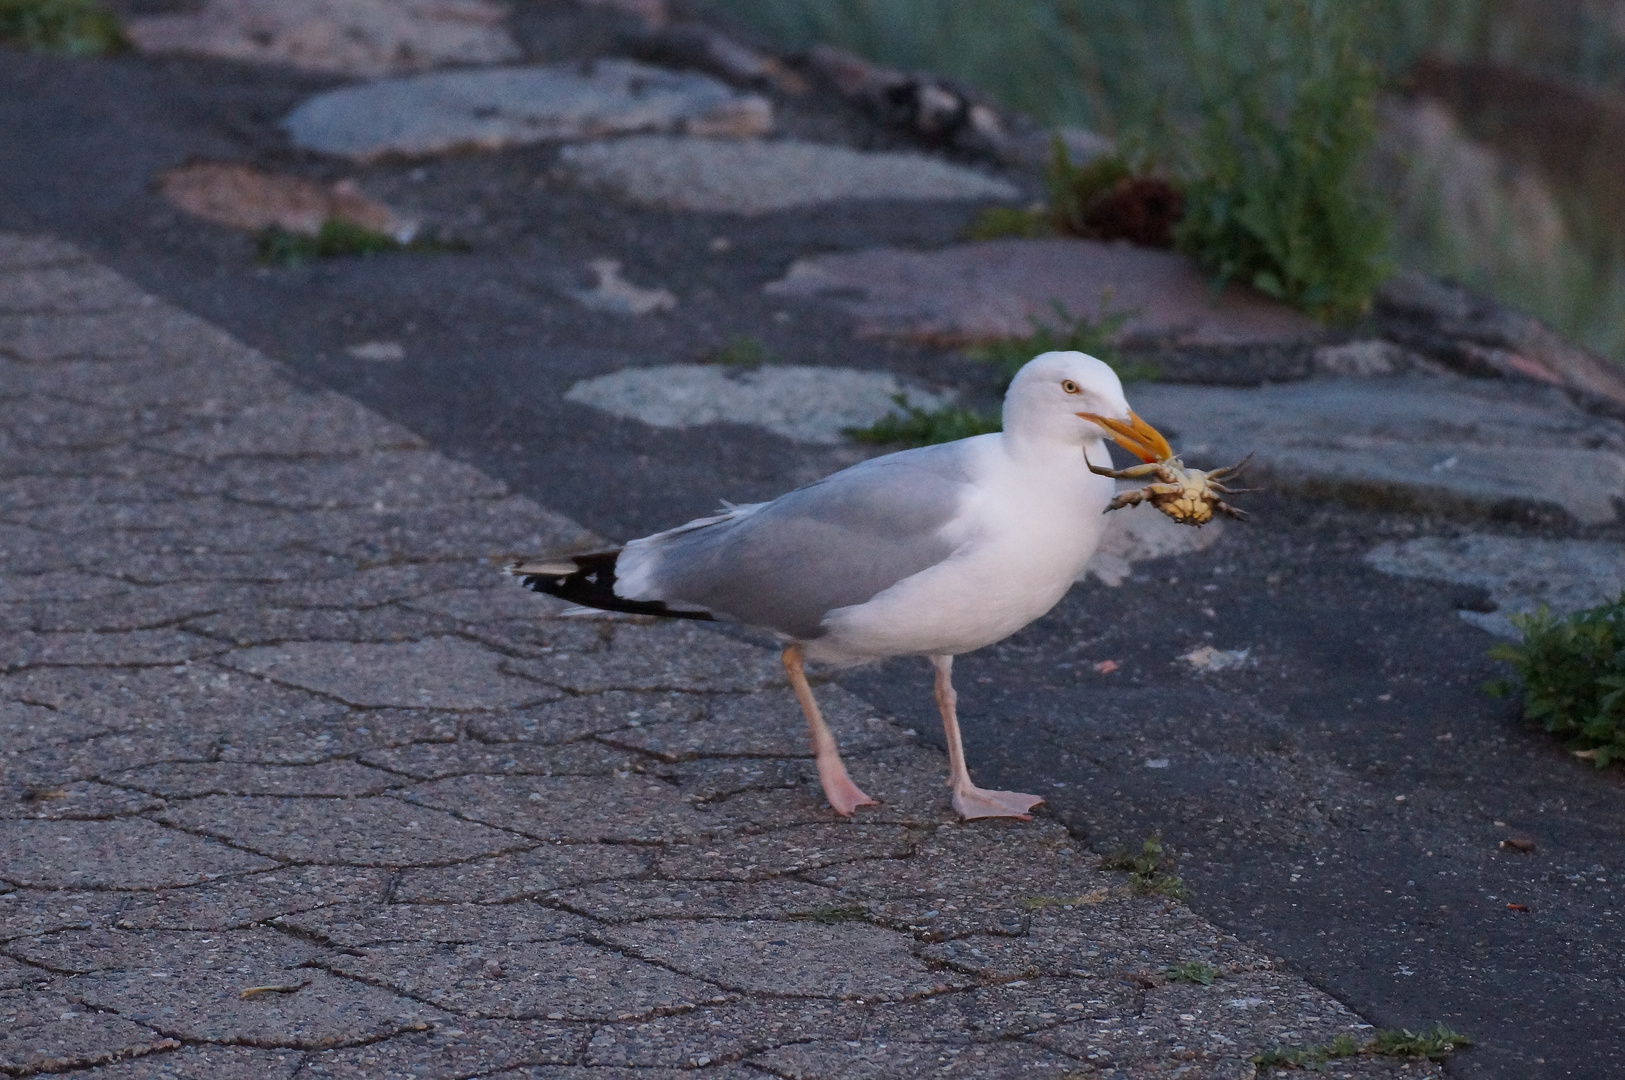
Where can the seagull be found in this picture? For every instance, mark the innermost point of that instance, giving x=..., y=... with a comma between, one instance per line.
x=933, y=551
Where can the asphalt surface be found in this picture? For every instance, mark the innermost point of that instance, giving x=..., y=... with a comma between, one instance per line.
x=1338, y=801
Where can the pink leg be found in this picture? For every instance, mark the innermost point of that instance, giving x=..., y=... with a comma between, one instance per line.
x=969, y=800
x=843, y=794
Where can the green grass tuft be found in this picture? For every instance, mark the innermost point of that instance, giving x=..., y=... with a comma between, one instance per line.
x=743, y=351
x=62, y=27
x=917, y=427
x=1274, y=198
x=1573, y=675
x=1434, y=1044
x=1001, y=222
x=1193, y=971
x=1147, y=871
x=339, y=239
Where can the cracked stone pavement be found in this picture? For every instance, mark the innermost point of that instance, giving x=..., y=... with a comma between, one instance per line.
x=293, y=783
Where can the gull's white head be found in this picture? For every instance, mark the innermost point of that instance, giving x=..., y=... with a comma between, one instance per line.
x=1074, y=399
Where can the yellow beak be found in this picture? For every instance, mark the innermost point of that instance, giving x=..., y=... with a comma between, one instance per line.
x=1135, y=435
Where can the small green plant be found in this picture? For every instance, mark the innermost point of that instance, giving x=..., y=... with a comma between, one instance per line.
x=743, y=351
x=1148, y=871
x=829, y=916
x=63, y=27
x=915, y=426
x=1573, y=675
x=338, y=239
x=1070, y=333
x=1274, y=198
x=1434, y=1044
x=1000, y=222
x=1307, y=1057
x=1193, y=971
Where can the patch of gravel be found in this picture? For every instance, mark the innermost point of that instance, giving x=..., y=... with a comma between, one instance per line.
x=722, y=176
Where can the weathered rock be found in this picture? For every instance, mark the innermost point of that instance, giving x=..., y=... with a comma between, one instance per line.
x=735, y=177
x=1001, y=288
x=804, y=404
x=244, y=197
x=1520, y=574
x=345, y=37
x=1481, y=447
x=430, y=114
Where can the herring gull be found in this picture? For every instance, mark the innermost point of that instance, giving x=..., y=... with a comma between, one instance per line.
x=931, y=552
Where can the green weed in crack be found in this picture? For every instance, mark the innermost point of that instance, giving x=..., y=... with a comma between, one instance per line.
x=1434, y=1044
x=744, y=352
x=915, y=426
x=829, y=916
x=340, y=239
x=1148, y=871
x=1572, y=672
x=1194, y=972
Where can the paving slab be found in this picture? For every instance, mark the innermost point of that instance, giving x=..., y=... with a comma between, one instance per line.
x=1001, y=288
x=190, y=986
x=42, y=1032
x=81, y=799
x=674, y=655
x=632, y=901
x=205, y=1063
x=863, y=1059
x=127, y=854
x=333, y=778
x=525, y=874
x=434, y=113
x=365, y=38
x=538, y=980
x=466, y=758
x=730, y=177
x=758, y=855
x=803, y=404
x=440, y=673
x=351, y=926
x=839, y=960
x=712, y=1033
x=1474, y=446
x=238, y=902
x=345, y=832
x=1520, y=574
x=466, y=1048
x=751, y=726
x=572, y=809
x=578, y=717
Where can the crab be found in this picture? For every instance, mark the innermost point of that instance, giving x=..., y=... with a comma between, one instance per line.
x=1189, y=496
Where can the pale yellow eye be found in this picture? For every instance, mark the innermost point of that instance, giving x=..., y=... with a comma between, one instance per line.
x=1070, y=387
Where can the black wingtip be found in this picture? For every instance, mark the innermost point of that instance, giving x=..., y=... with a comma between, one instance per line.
x=589, y=580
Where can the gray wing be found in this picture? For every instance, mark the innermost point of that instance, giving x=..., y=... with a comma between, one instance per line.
x=783, y=565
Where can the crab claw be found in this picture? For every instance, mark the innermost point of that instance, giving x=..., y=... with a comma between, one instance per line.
x=1135, y=435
